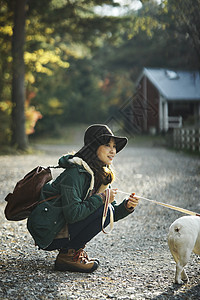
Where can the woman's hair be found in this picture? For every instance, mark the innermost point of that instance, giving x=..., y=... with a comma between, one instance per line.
x=102, y=174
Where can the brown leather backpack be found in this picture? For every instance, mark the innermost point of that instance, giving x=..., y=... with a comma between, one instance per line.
x=26, y=194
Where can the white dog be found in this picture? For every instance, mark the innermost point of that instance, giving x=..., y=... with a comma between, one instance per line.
x=183, y=238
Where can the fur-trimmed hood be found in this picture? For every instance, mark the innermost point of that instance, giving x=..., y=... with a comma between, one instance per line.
x=67, y=161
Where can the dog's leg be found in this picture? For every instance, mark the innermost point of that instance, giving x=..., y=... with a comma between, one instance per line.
x=184, y=276
x=180, y=274
x=179, y=270
x=180, y=264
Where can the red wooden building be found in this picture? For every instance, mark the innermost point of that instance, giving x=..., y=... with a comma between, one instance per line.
x=166, y=99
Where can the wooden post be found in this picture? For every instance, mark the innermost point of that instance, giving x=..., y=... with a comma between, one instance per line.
x=145, y=102
x=166, y=126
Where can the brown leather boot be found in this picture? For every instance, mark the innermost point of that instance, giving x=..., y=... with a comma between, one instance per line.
x=75, y=261
x=87, y=257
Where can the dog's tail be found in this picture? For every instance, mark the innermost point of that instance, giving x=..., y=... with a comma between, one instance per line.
x=177, y=228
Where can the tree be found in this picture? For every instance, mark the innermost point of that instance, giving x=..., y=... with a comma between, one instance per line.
x=79, y=61
x=5, y=73
x=18, y=90
x=73, y=21
x=154, y=40
x=186, y=14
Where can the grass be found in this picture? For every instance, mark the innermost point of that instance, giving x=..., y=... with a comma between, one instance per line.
x=9, y=150
x=72, y=134
x=146, y=140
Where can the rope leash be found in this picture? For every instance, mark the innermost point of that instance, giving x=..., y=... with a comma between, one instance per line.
x=185, y=211
x=107, y=206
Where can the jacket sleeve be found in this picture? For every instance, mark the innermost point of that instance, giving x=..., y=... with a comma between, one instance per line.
x=121, y=210
x=73, y=189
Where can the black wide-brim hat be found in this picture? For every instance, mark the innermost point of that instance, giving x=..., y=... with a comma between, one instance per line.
x=99, y=134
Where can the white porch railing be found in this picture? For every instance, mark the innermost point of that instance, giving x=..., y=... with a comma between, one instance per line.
x=187, y=138
x=175, y=122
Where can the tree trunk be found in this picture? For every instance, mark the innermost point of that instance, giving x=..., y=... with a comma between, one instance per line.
x=19, y=138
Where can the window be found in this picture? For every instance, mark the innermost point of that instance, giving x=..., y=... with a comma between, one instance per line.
x=171, y=74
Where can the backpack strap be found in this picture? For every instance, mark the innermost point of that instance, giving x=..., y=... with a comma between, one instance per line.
x=50, y=198
x=55, y=196
x=55, y=167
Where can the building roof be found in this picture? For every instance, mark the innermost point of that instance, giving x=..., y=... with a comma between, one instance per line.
x=175, y=85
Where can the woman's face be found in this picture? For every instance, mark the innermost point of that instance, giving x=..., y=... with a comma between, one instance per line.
x=106, y=153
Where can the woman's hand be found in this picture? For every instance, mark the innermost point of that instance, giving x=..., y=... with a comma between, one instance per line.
x=132, y=201
x=113, y=193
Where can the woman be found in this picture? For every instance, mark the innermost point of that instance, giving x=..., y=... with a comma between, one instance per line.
x=70, y=220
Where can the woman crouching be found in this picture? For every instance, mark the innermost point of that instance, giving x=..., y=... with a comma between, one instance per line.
x=69, y=221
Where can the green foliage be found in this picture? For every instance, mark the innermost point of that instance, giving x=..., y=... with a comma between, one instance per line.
x=155, y=41
x=5, y=73
x=5, y=52
x=5, y=133
x=186, y=16
x=81, y=66
x=75, y=96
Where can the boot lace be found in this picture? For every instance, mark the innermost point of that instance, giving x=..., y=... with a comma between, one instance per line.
x=80, y=254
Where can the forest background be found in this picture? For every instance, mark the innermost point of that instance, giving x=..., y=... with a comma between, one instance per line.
x=81, y=60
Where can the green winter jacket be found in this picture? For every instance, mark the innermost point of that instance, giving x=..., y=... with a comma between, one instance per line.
x=73, y=203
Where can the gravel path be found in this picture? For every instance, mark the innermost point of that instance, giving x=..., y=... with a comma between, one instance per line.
x=135, y=259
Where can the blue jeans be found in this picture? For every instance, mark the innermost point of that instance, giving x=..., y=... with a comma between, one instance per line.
x=81, y=232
